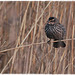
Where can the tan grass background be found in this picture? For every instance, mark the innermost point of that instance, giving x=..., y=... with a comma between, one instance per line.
x=23, y=47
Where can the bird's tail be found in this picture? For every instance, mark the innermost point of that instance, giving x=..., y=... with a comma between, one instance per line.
x=58, y=44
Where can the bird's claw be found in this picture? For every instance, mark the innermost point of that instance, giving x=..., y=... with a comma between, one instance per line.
x=48, y=42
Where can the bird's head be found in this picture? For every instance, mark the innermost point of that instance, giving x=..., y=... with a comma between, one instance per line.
x=52, y=20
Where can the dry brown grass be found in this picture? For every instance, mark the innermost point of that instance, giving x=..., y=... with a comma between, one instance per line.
x=23, y=47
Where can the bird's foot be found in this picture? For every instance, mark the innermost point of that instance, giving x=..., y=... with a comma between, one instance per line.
x=48, y=42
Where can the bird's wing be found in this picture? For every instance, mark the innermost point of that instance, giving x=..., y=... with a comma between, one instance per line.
x=59, y=31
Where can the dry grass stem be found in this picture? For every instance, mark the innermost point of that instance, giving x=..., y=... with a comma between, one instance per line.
x=23, y=43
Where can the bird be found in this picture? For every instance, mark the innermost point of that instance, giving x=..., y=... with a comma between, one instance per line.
x=56, y=31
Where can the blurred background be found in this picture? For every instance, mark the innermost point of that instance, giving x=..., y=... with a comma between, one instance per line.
x=23, y=43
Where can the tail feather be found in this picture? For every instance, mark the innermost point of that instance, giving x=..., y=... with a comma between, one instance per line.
x=62, y=44
x=58, y=44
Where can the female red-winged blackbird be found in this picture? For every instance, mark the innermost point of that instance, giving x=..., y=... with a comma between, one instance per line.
x=55, y=30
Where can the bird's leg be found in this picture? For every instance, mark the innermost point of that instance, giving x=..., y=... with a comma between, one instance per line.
x=49, y=41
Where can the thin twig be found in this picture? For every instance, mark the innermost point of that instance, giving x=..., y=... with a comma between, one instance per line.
x=6, y=65
x=72, y=37
x=6, y=50
x=27, y=36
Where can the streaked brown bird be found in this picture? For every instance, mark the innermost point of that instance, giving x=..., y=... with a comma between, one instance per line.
x=55, y=30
